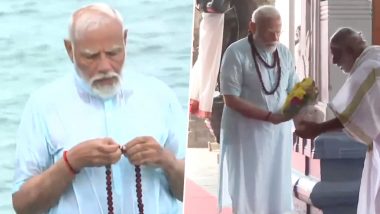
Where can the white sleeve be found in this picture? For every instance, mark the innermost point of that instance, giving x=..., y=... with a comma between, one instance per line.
x=177, y=124
x=231, y=74
x=32, y=154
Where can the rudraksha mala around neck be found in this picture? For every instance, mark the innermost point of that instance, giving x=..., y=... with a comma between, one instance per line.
x=138, y=189
x=255, y=54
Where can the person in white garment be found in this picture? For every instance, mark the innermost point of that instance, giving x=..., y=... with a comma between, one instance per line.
x=100, y=118
x=257, y=73
x=203, y=76
x=356, y=108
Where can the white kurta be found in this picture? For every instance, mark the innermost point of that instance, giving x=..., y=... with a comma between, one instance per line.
x=357, y=106
x=255, y=166
x=62, y=114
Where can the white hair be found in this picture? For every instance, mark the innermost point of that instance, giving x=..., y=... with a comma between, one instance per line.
x=265, y=12
x=98, y=7
x=347, y=37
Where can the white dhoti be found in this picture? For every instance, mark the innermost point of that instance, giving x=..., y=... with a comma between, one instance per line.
x=357, y=106
x=203, y=76
x=369, y=196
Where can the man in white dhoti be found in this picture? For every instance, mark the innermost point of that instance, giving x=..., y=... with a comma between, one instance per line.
x=75, y=126
x=257, y=74
x=356, y=107
x=203, y=76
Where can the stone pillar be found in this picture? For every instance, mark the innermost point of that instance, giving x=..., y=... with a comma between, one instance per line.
x=376, y=22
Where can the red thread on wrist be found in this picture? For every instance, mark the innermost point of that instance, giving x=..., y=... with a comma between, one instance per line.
x=68, y=164
x=268, y=115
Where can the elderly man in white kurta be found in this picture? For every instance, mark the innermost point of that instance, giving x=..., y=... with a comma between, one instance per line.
x=357, y=108
x=73, y=127
x=257, y=74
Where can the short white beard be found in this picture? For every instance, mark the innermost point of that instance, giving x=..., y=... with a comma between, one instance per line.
x=103, y=91
x=272, y=48
x=266, y=48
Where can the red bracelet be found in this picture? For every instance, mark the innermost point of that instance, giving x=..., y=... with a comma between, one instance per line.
x=268, y=115
x=68, y=164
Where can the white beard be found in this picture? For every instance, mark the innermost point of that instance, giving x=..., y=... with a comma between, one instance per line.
x=267, y=48
x=270, y=49
x=104, y=91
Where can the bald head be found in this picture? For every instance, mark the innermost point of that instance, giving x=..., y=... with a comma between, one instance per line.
x=346, y=45
x=92, y=17
x=97, y=48
x=348, y=39
x=265, y=13
x=266, y=26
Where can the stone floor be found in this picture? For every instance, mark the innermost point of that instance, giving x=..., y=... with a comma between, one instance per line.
x=202, y=167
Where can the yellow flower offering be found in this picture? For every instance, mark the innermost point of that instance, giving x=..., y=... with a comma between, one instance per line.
x=307, y=83
x=302, y=94
x=299, y=93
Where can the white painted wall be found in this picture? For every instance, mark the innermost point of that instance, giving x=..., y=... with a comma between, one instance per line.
x=283, y=8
